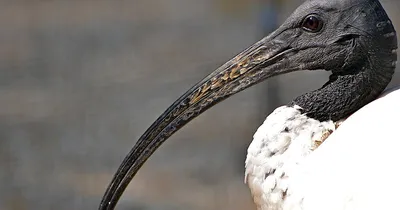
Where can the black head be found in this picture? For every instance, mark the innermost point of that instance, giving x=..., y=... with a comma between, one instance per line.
x=354, y=39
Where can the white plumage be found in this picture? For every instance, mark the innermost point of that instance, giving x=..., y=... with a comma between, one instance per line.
x=355, y=168
x=279, y=147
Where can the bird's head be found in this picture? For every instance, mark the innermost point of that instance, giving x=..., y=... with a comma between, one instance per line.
x=333, y=35
x=354, y=39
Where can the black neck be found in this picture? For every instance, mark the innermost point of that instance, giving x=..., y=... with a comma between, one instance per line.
x=342, y=95
x=338, y=98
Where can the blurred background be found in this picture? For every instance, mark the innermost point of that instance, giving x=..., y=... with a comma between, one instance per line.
x=81, y=80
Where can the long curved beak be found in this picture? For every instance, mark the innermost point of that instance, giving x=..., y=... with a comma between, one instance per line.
x=264, y=59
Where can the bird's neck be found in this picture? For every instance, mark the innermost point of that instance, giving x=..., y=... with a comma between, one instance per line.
x=342, y=95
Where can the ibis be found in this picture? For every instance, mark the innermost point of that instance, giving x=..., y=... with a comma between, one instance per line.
x=333, y=148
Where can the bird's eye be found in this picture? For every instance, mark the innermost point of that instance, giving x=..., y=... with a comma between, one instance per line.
x=312, y=23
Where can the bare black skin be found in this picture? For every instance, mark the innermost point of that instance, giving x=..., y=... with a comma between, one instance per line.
x=354, y=39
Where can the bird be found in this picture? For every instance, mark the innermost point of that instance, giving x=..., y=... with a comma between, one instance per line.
x=330, y=148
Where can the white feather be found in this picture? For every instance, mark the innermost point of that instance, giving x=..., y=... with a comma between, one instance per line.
x=278, y=149
x=356, y=168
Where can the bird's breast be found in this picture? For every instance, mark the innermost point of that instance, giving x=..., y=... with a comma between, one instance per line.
x=277, y=151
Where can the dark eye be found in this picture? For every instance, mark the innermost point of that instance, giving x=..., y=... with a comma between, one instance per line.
x=312, y=23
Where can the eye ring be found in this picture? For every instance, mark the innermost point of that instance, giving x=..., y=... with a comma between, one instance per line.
x=312, y=23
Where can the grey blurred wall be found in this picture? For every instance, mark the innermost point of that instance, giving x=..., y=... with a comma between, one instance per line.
x=81, y=80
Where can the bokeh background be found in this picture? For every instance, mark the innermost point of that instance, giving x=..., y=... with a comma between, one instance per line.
x=81, y=80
